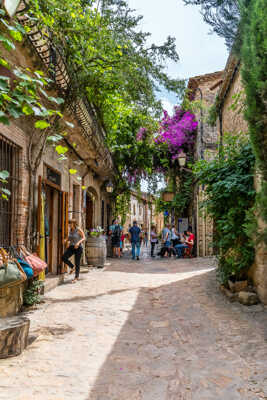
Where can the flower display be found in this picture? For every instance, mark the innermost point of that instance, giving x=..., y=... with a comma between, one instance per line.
x=95, y=232
x=178, y=131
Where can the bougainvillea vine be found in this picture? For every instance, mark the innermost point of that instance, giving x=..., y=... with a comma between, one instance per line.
x=178, y=131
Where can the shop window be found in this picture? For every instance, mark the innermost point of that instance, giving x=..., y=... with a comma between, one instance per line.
x=53, y=176
x=9, y=161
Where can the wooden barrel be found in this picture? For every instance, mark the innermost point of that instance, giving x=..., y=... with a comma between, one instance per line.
x=96, y=251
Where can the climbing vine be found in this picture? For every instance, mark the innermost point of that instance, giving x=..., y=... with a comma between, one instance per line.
x=254, y=73
x=229, y=187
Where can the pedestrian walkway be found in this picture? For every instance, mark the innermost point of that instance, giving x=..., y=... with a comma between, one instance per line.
x=141, y=330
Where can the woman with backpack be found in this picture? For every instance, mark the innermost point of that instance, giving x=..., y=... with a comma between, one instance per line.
x=115, y=232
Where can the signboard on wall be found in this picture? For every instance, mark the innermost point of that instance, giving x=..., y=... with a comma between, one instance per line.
x=182, y=225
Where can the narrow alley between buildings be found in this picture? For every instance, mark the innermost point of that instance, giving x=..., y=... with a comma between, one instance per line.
x=150, y=330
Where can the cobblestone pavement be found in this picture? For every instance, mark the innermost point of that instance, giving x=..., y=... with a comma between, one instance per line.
x=147, y=330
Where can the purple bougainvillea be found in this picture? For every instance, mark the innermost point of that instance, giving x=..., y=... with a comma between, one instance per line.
x=177, y=131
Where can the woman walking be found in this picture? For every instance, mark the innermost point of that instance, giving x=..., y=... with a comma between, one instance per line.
x=74, y=247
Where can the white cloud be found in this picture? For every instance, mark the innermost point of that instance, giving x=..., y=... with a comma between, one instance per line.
x=167, y=105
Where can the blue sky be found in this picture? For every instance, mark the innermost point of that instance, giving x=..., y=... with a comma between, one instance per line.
x=199, y=51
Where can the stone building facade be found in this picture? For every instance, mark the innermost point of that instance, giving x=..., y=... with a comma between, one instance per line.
x=203, y=88
x=231, y=120
x=72, y=187
x=142, y=210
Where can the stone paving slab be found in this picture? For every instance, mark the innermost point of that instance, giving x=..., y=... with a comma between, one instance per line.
x=155, y=329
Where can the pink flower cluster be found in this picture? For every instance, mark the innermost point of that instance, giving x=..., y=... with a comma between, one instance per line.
x=177, y=131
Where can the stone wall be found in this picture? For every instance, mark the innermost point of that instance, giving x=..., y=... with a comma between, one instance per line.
x=83, y=156
x=204, y=228
x=143, y=212
x=232, y=117
x=205, y=147
x=233, y=122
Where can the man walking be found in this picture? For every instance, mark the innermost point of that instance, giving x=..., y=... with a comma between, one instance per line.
x=135, y=232
x=166, y=236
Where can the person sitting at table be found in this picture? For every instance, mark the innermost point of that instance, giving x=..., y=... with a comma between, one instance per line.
x=183, y=245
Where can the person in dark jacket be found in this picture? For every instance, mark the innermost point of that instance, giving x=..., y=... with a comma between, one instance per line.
x=135, y=238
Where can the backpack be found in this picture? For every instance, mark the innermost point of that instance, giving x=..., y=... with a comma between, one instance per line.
x=117, y=232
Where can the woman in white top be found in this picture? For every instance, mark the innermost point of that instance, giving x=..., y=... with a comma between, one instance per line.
x=153, y=239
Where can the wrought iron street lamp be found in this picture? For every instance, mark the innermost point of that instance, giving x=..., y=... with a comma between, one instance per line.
x=11, y=7
x=109, y=187
x=182, y=159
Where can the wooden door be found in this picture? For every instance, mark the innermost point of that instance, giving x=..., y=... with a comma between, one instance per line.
x=49, y=197
x=39, y=210
x=89, y=211
x=64, y=221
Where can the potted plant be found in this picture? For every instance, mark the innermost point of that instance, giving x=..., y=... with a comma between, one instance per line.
x=95, y=232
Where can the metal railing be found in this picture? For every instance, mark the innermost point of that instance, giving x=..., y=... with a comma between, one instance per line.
x=9, y=161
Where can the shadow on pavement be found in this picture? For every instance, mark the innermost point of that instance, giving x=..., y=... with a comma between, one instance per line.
x=185, y=341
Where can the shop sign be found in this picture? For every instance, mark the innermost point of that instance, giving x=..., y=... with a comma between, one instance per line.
x=168, y=196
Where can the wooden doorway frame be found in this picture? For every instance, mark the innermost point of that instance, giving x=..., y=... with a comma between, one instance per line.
x=63, y=207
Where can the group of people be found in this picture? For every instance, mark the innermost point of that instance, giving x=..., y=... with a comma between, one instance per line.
x=173, y=243
x=135, y=235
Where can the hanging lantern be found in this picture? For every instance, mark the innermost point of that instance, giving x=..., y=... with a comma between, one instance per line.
x=182, y=159
x=109, y=187
x=11, y=6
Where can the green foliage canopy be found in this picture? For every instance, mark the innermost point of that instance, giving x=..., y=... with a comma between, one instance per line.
x=111, y=63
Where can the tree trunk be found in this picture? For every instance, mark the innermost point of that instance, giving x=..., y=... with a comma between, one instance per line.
x=13, y=336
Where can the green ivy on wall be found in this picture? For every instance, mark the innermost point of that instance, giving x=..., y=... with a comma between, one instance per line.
x=229, y=185
x=183, y=195
x=254, y=74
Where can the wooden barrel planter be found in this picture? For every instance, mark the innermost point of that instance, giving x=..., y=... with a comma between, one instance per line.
x=96, y=251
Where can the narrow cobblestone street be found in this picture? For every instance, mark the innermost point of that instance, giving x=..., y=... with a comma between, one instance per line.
x=148, y=330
